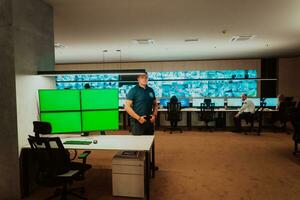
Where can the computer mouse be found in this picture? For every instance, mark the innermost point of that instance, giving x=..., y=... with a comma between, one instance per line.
x=95, y=141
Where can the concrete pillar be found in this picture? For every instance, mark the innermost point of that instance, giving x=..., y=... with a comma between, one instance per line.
x=26, y=45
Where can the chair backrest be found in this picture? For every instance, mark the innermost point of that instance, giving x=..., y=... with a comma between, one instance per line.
x=174, y=107
x=174, y=112
x=207, y=111
x=207, y=101
x=51, y=156
x=207, y=107
x=286, y=110
x=40, y=127
x=295, y=121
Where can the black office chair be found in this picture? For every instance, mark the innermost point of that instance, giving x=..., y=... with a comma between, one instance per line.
x=295, y=121
x=284, y=115
x=207, y=114
x=55, y=166
x=174, y=116
x=255, y=117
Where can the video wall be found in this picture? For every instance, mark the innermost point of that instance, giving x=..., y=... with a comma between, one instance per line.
x=183, y=84
x=80, y=110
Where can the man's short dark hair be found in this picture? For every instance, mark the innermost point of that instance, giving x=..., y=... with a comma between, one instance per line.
x=142, y=74
x=87, y=86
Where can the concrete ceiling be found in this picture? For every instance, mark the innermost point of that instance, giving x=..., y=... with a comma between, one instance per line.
x=87, y=27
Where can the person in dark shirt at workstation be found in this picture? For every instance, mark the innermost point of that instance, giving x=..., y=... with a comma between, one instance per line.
x=141, y=105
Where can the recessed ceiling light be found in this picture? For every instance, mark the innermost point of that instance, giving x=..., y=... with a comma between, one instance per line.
x=242, y=38
x=191, y=40
x=143, y=41
x=59, y=45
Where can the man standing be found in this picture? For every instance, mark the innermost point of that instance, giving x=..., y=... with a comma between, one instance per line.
x=247, y=109
x=142, y=107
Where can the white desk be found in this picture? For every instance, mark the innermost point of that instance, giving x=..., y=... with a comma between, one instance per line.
x=118, y=143
x=109, y=142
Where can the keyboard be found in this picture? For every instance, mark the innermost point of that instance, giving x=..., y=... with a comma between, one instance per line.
x=78, y=142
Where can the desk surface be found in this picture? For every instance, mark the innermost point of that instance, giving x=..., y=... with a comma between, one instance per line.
x=109, y=142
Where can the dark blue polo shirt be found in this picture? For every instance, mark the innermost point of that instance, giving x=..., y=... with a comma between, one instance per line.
x=142, y=100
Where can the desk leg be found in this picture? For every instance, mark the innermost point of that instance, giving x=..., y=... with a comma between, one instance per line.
x=189, y=120
x=147, y=176
x=224, y=125
x=157, y=122
x=153, y=159
x=260, y=122
x=128, y=121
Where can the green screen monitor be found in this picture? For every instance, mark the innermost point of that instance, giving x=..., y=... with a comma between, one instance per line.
x=59, y=100
x=96, y=99
x=63, y=122
x=100, y=120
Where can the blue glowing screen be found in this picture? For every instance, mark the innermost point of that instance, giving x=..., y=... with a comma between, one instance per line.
x=164, y=102
x=234, y=102
x=256, y=101
x=184, y=102
x=183, y=84
x=218, y=102
x=271, y=102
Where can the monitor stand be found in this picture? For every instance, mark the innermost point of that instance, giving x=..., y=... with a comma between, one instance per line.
x=102, y=133
x=85, y=134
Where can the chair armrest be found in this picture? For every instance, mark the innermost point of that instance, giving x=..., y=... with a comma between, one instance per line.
x=84, y=155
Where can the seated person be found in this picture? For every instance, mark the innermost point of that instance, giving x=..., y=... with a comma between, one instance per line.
x=247, y=109
x=281, y=100
x=282, y=116
x=173, y=100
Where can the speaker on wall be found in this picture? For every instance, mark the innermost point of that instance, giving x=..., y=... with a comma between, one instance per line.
x=269, y=69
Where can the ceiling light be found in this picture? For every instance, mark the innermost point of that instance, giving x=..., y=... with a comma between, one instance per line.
x=143, y=41
x=242, y=38
x=192, y=40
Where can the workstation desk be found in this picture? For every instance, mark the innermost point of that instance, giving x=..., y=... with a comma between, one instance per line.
x=104, y=142
x=221, y=112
